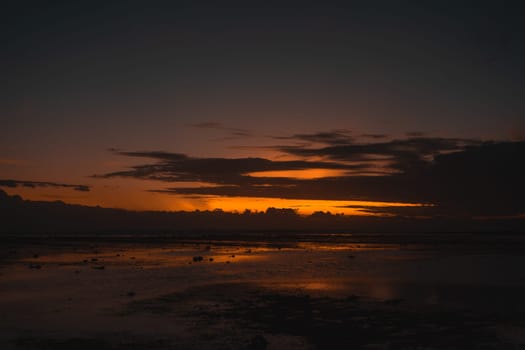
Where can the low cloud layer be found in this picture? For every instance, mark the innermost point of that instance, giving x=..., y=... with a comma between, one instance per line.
x=454, y=176
x=35, y=184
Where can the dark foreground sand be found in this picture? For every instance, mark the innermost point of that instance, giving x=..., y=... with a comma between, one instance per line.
x=326, y=291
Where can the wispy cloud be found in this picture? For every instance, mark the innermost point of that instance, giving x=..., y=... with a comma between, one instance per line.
x=233, y=132
x=456, y=176
x=374, y=136
x=34, y=184
x=335, y=137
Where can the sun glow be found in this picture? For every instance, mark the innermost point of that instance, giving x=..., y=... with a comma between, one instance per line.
x=304, y=174
x=302, y=206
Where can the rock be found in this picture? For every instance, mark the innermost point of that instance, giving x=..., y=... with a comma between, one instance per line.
x=396, y=301
x=211, y=259
x=352, y=297
x=198, y=258
x=258, y=342
x=101, y=267
x=131, y=294
x=35, y=266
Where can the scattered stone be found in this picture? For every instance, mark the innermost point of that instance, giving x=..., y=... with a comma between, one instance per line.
x=352, y=297
x=396, y=301
x=211, y=259
x=258, y=342
x=198, y=258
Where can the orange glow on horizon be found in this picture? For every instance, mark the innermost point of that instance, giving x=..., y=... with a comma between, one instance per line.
x=302, y=206
x=305, y=174
x=141, y=200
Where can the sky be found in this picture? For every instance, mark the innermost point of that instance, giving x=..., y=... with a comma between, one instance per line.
x=407, y=106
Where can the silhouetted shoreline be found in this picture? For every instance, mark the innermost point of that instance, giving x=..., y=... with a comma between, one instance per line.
x=57, y=218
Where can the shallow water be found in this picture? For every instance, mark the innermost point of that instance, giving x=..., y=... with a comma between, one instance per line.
x=83, y=289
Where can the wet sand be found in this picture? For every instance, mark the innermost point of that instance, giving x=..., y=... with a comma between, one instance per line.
x=300, y=292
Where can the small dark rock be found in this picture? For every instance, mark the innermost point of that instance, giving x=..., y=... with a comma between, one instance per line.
x=131, y=294
x=101, y=267
x=35, y=266
x=393, y=301
x=198, y=258
x=352, y=297
x=258, y=342
x=211, y=259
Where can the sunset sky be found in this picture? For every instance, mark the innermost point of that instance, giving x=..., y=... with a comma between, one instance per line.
x=376, y=107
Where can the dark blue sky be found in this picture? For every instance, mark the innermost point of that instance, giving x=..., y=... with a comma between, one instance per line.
x=222, y=79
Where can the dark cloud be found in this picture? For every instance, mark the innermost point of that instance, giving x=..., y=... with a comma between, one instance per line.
x=175, y=167
x=415, y=134
x=335, y=137
x=401, y=154
x=375, y=136
x=234, y=132
x=451, y=176
x=34, y=184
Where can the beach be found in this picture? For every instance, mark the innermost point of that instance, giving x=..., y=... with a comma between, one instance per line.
x=259, y=292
